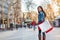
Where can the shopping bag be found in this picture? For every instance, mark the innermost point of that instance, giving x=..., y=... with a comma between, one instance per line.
x=46, y=26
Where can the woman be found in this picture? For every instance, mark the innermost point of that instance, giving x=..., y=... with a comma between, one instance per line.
x=41, y=18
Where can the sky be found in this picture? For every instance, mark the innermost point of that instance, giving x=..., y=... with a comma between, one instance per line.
x=37, y=2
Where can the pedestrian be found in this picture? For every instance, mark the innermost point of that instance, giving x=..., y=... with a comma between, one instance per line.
x=41, y=18
x=11, y=25
x=33, y=24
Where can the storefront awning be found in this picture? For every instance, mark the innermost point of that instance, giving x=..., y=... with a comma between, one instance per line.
x=58, y=17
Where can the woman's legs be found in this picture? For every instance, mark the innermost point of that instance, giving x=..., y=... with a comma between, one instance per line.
x=39, y=35
x=44, y=36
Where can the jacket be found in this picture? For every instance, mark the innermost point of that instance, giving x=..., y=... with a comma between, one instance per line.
x=41, y=16
x=41, y=19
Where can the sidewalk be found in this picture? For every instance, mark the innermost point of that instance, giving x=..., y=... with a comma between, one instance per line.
x=28, y=34
x=54, y=35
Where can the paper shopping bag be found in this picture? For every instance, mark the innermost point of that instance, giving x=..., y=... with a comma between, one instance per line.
x=46, y=26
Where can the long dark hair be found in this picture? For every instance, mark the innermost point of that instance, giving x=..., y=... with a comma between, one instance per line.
x=42, y=10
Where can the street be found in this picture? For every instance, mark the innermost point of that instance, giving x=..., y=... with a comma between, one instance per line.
x=28, y=34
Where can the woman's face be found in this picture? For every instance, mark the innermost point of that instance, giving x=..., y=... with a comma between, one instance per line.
x=39, y=9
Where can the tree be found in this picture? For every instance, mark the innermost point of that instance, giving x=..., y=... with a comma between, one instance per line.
x=29, y=5
x=17, y=11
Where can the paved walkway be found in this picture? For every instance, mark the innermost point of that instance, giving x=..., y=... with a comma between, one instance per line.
x=28, y=34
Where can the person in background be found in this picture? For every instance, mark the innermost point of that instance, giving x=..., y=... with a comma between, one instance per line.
x=33, y=24
x=11, y=25
x=41, y=18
